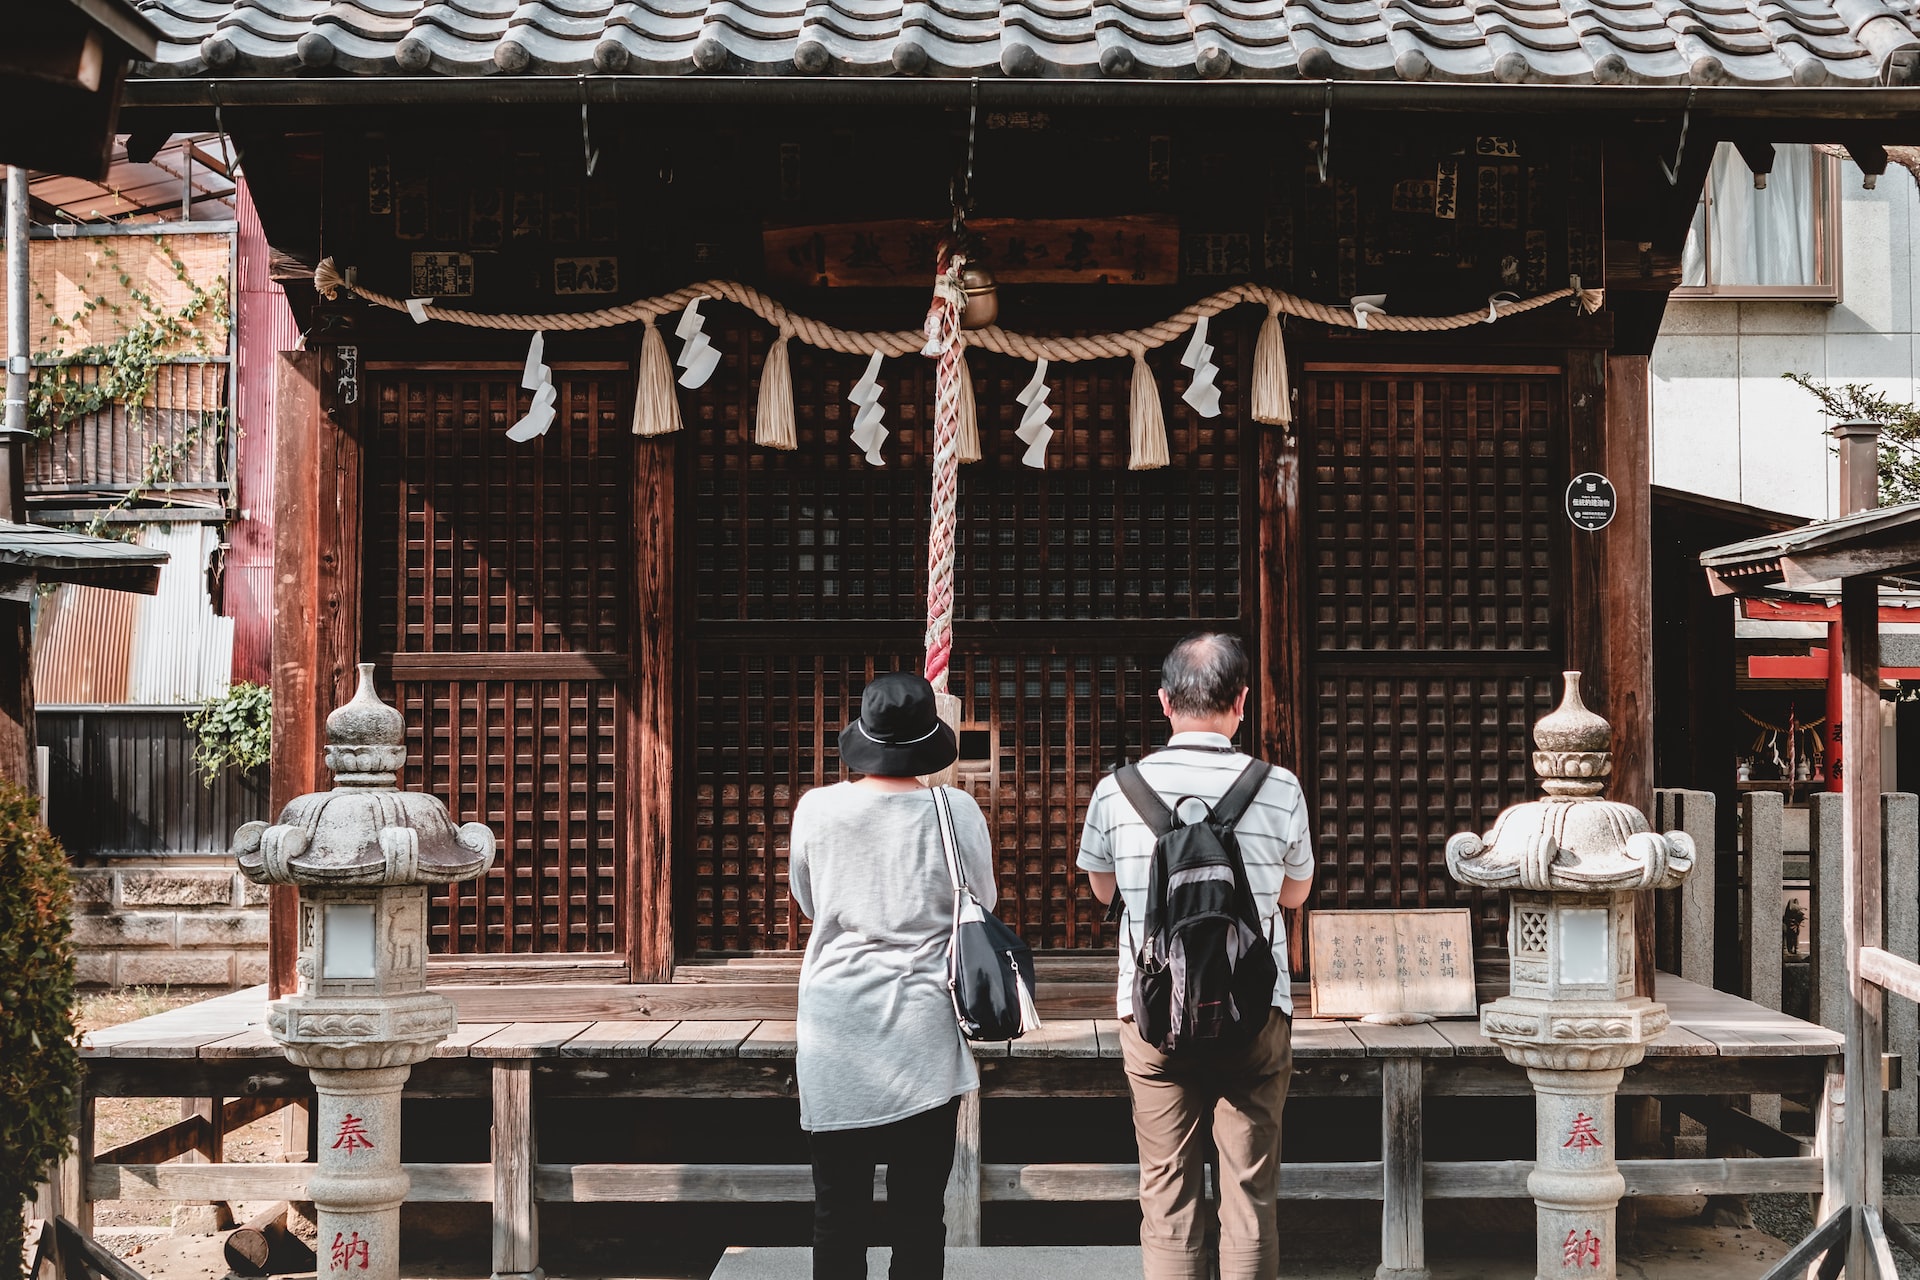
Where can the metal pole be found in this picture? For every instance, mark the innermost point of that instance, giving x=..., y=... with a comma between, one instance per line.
x=19, y=345
x=19, y=298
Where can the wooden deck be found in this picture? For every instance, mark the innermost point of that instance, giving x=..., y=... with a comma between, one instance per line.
x=604, y=1042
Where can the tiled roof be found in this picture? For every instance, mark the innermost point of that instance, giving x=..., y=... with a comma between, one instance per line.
x=1652, y=42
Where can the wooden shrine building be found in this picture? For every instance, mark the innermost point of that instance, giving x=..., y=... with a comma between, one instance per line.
x=631, y=654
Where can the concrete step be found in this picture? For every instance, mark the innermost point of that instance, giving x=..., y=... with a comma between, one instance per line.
x=1051, y=1262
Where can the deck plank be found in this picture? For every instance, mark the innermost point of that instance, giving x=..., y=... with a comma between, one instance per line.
x=1325, y=1038
x=1466, y=1039
x=464, y=1037
x=254, y=1042
x=616, y=1040
x=698, y=1039
x=1109, y=1031
x=526, y=1040
x=1069, y=1038
x=770, y=1040
x=1419, y=1041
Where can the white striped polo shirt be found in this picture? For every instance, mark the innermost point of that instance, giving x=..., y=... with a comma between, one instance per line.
x=1273, y=839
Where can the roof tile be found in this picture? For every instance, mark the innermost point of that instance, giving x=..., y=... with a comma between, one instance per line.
x=1740, y=42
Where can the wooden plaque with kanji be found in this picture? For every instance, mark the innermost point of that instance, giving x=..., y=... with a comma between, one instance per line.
x=1392, y=962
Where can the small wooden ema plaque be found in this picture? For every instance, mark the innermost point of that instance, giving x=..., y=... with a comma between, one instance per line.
x=1392, y=966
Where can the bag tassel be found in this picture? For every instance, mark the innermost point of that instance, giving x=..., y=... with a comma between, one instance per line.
x=1147, y=419
x=1029, y=1015
x=967, y=441
x=656, y=411
x=773, y=420
x=1272, y=398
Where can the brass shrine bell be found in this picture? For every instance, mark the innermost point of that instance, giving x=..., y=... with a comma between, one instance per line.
x=983, y=297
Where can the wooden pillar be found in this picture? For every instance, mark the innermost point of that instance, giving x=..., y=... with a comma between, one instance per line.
x=1403, y=1237
x=516, y=1223
x=963, y=1184
x=1281, y=683
x=1860, y=638
x=655, y=704
x=316, y=595
x=296, y=540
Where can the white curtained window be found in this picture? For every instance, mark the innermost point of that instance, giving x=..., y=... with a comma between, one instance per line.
x=1773, y=242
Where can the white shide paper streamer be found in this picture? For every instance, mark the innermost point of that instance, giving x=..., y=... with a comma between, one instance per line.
x=1033, y=429
x=869, y=427
x=1202, y=395
x=698, y=356
x=537, y=378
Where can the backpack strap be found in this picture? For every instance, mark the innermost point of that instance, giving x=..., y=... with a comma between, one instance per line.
x=1239, y=798
x=1145, y=800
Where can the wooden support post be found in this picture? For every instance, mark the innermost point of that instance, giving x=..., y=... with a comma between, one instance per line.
x=655, y=705
x=1860, y=640
x=1628, y=604
x=65, y=1193
x=296, y=623
x=1900, y=839
x=1403, y=1239
x=963, y=1184
x=1829, y=1142
x=1280, y=679
x=516, y=1223
x=316, y=595
x=1760, y=907
x=1826, y=826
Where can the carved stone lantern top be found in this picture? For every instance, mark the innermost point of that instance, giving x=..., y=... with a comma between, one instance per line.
x=365, y=831
x=1572, y=840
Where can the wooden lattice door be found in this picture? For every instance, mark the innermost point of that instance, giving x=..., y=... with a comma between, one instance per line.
x=498, y=599
x=1434, y=622
x=807, y=572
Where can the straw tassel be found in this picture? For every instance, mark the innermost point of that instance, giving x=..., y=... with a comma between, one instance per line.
x=656, y=411
x=966, y=444
x=773, y=421
x=1147, y=418
x=1272, y=398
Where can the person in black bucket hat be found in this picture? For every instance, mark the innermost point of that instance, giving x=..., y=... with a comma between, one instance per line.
x=899, y=733
x=879, y=1061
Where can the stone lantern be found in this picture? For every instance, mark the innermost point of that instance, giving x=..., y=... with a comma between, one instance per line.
x=363, y=855
x=1574, y=863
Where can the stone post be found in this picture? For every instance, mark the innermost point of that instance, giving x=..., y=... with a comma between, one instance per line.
x=362, y=854
x=1575, y=864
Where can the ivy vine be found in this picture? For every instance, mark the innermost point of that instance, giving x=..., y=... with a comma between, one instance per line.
x=234, y=730
x=128, y=368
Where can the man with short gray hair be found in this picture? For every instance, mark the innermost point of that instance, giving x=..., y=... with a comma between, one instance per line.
x=1237, y=1093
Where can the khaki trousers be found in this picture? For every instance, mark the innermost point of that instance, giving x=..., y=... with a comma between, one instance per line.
x=1178, y=1103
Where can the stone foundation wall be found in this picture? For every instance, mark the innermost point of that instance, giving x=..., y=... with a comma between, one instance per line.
x=169, y=923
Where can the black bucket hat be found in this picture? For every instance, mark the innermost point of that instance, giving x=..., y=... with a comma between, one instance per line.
x=899, y=733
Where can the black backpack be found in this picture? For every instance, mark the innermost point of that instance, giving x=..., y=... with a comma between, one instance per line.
x=1204, y=975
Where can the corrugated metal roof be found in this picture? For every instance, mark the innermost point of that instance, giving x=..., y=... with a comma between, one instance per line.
x=56, y=555
x=81, y=640
x=1649, y=42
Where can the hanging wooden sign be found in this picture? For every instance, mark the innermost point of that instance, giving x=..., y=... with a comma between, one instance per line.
x=1133, y=249
x=1389, y=964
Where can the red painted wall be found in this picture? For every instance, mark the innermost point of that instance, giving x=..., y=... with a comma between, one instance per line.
x=263, y=327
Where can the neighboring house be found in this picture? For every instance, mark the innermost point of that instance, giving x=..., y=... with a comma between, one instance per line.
x=1815, y=274
x=116, y=676
x=1812, y=274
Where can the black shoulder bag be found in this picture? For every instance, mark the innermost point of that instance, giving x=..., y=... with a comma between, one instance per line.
x=989, y=970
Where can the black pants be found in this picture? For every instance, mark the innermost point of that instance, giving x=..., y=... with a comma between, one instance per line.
x=918, y=1153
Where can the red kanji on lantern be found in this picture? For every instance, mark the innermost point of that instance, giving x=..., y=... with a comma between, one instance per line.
x=1583, y=1137
x=352, y=1135
x=345, y=1250
x=1580, y=1251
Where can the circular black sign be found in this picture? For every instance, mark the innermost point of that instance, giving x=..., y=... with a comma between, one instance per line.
x=1591, y=501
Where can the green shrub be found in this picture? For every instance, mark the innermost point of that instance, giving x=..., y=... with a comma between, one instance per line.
x=39, y=1056
x=235, y=730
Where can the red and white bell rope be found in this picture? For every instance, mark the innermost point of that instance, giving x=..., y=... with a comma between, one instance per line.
x=945, y=343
